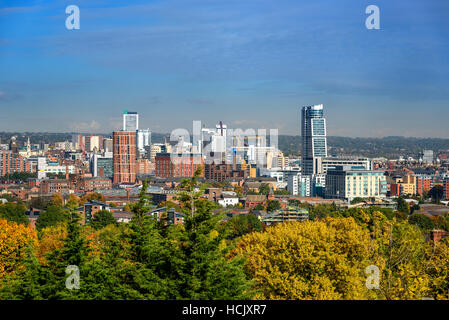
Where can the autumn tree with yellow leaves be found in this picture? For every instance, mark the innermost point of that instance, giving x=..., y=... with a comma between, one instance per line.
x=326, y=259
x=14, y=241
x=322, y=259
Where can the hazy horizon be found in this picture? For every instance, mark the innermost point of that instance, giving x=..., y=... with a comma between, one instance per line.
x=168, y=133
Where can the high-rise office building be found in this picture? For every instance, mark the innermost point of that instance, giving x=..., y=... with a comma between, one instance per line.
x=314, y=142
x=130, y=121
x=427, y=156
x=124, y=156
x=143, y=140
x=107, y=145
x=101, y=165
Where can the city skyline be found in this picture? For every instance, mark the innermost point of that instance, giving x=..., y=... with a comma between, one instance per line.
x=247, y=64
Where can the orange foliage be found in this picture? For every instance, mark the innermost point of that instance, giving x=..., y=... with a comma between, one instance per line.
x=14, y=239
x=51, y=238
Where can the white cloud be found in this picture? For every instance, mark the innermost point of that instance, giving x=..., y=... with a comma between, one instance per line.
x=85, y=126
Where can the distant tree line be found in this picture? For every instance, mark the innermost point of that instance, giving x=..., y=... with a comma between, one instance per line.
x=390, y=147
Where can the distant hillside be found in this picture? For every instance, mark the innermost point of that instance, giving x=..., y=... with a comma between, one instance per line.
x=390, y=147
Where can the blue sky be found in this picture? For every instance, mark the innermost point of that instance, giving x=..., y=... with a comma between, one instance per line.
x=251, y=64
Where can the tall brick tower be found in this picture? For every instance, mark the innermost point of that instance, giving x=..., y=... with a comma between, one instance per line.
x=124, y=156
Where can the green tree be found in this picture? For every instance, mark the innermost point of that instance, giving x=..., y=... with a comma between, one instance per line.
x=57, y=200
x=74, y=252
x=403, y=205
x=14, y=212
x=24, y=285
x=436, y=193
x=204, y=270
x=422, y=221
x=273, y=205
x=294, y=202
x=92, y=196
x=264, y=189
x=151, y=270
x=102, y=218
x=243, y=224
x=357, y=200
x=51, y=217
x=282, y=192
x=48, y=280
x=22, y=176
x=73, y=201
x=414, y=208
x=40, y=203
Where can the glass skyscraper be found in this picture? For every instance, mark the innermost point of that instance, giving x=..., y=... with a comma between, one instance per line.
x=130, y=121
x=314, y=142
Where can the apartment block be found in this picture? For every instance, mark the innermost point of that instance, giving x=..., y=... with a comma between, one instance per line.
x=124, y=157
x=169, y=165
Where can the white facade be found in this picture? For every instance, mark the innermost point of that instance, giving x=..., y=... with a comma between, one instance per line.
x=332, y=163
x=299, y=185
x=130, y=121
x=346, y=182
x=228, y=201
x=281, y=175
x=143, y=139
x=154, y=149
x=94, y=143
x=43, y=168
x=427, y=156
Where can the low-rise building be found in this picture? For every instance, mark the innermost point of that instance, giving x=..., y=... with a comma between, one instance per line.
x=349, y=182
x=94, y=183
x=170, y=165
x=228, y=200
x=90, y=208
x=55, y=186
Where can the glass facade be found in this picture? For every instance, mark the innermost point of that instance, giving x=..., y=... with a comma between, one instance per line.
x=314, y=142
x=106, y=165
x=130, y=121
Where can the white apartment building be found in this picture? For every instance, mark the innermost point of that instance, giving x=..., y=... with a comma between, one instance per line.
x=299, y=185
x=349, y=182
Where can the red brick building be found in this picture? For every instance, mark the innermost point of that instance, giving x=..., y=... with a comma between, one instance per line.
x=178, y=165
x=124, y=156
x=436, y=235
x=144, y=166
x=423, y=184
x=92, y=184
x=90, y=208
x=11, y=162
x=223, y=171
x=55, y=186
x=253, y=200
x=395, y=189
